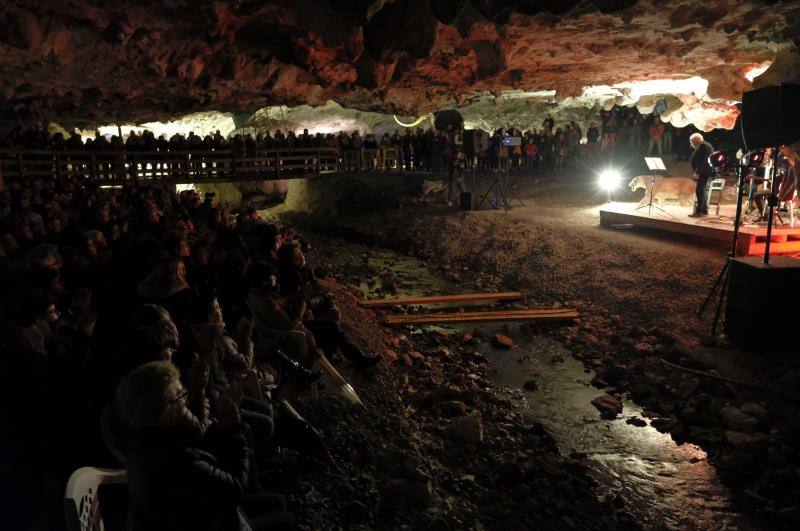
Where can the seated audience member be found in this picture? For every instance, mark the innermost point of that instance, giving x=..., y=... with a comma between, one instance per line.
x=298, y=283
x=166, y=285
x=272, y=312
x=176, y=484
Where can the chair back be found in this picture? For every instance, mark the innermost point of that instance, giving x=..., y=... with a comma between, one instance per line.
x=81, y=505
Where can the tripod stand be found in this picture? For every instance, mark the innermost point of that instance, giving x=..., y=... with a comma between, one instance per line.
x=500, y=186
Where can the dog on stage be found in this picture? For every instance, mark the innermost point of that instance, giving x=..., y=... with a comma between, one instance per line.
x=677, y=189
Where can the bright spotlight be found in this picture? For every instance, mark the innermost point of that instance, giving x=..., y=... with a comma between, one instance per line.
x=609, y=180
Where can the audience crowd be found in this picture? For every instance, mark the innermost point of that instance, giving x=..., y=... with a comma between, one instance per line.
x=617, y=132
x=161, y=333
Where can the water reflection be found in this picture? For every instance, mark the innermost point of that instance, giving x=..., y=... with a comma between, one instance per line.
x=663, y=485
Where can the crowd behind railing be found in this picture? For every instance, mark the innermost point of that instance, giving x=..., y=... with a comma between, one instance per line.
x=547, y=149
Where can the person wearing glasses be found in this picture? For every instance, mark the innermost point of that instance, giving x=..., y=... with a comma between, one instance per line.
x=174, y=482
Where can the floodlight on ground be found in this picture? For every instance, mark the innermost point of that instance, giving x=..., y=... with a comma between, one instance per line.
x=609, y=179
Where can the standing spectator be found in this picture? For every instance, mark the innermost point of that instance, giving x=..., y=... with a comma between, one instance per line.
x=666, y=141
x=656, y=132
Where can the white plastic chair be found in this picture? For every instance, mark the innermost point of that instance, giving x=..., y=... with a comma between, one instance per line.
x=81, y=505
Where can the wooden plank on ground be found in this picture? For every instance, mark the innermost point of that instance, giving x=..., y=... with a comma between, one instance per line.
x=439, y=299
x=476, y=317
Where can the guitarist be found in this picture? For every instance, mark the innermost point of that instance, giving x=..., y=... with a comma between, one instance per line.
x=702, y=172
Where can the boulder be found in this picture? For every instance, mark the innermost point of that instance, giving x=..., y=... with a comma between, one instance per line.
x=636, y=421
x=608, y=405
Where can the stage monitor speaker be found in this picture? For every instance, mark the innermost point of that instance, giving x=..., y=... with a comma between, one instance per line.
x=467, y=201
x=769, y=116
x=761, y=313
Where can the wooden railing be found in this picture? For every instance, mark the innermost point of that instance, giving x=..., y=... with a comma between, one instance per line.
x=193, y=166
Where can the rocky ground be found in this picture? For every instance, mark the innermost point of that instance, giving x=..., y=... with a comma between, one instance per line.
x=637, y=295
x=435, y=448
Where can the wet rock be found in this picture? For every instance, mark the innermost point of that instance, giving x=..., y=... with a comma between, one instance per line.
x=530, y=385
x=636, y=421
x=453, y=408
x=503, y=341
x=750, y=442
x=608, y=405
x=663, y=425
x=738, y=420
x=469, y=428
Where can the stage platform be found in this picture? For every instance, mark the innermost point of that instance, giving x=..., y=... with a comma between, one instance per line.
x=752, y=237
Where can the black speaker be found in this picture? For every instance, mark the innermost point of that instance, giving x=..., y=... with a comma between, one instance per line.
x=769, y=116
x=761, y=312
x=466, y=201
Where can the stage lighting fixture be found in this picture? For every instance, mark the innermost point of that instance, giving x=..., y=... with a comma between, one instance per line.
x=754, y=159
x=609, y=180
x=718, y=159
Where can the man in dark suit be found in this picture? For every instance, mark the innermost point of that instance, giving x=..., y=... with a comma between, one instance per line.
x=702, y=172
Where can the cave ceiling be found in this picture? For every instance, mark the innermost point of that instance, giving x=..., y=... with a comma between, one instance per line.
x=91, y=62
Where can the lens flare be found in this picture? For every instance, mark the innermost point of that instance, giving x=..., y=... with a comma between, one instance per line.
x=609, y=179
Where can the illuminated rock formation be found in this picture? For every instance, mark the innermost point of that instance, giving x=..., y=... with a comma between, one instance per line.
x=83, y=61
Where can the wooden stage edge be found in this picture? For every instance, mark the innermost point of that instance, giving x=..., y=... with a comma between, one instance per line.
x=752, y=239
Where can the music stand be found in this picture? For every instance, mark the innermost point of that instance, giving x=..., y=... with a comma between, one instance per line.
x=656, y=166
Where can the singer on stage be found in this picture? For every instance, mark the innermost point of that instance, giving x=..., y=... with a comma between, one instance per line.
x=702, y=172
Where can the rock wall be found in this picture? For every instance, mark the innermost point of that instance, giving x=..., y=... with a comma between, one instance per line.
x=87, y=63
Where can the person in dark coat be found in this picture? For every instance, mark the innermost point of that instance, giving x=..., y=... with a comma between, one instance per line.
x=174, y=482
x=702, y=172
